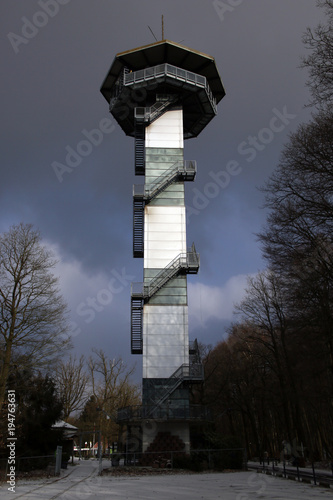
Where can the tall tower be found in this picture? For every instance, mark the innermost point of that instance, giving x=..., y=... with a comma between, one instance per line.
x=161, y=94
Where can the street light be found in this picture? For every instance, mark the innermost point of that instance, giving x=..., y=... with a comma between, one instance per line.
x=107, y=415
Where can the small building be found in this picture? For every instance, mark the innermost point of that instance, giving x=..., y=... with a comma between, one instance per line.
x=69, y=433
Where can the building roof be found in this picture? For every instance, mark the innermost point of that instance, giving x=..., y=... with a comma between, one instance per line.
x=61, y=424
x=69, y=430
x=161, y=52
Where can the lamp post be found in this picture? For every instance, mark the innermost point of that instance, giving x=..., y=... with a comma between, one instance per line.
x=108, y=417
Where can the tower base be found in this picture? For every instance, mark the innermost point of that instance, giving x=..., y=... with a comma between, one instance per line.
x=159, y=437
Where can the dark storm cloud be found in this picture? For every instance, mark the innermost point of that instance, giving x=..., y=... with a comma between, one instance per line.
x=55, y=56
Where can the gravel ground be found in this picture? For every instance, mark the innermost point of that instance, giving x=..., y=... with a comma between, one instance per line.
x=82, y=482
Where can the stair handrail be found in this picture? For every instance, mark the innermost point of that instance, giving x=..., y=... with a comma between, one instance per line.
x=182, y=261
x=177, y=168
x=185, y=371
x=166, y=274
x=190, y=259
x=150, y=113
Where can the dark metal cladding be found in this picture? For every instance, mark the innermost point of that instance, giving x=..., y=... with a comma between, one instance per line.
x=127, y=85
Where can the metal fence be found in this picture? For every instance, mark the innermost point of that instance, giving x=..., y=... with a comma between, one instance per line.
x=308, y=472
x=197, y=460
x=27, y=464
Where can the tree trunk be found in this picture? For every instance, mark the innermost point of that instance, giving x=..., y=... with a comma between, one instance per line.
x=5, y=370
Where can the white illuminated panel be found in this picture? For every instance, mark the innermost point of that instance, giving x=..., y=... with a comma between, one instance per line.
x=165, y=346
x=166, y=131
x=165, y=235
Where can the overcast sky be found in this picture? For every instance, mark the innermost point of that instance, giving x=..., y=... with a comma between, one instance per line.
x=55, y=55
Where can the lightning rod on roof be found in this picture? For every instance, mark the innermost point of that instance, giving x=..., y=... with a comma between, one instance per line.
x=152, y=33
x=162, y=30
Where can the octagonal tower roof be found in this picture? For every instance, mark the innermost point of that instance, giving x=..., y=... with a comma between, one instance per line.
x=177, y=56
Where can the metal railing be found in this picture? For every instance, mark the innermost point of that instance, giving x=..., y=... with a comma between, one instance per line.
x=163, y=412
x=195, y=460
x=151, y=113
x=168, y=70
x=189, y=371
x=186, y=169
x=306, y=473
x=186, y=372
x=188, y=261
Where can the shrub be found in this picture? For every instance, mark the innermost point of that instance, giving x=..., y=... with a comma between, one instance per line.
x=190, y=462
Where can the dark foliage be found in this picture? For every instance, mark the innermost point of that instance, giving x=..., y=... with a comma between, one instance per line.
x=38, y=408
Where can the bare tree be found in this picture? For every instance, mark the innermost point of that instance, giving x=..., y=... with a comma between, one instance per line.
x=299, y=192
x=265, y=307
x=276, y=367
x=110, y=380
x=320, y=60
x=33, y=322
x=72, y=380
x=112, y=389
x=297, y=240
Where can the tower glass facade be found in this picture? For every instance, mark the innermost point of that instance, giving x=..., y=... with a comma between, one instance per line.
x=179, y=90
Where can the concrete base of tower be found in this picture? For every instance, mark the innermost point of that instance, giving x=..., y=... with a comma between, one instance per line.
x=158, y=437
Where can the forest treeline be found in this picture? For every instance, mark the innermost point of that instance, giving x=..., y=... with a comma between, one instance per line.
x=271, y=380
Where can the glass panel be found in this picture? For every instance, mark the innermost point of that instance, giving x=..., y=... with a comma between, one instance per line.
x=201, y=80
x=160, y=69
x=139, y=75
x=181, y=73
x=149, y=72
x=190, y=76
x=129, y=78
x=171, y=70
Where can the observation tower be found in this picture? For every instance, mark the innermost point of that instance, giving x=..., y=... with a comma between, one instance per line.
x=161, y=94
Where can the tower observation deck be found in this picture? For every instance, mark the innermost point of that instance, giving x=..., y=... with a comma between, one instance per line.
x=161, y=94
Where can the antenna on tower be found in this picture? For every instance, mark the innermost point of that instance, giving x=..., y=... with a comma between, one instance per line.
x=162, y=27
x=152, y=33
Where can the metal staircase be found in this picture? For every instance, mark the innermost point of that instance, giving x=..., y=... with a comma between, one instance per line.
x=139, y=148
x=192, y=373
x=161, y=404
x=187, y=263
x=142, y=195
x=138, y=222
x=149, y=114
x=143, y=117
x=136, y=318
x=180, y=170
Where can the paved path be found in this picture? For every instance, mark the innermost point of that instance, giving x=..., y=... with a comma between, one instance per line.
x=74, y=483
x=82, y=482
